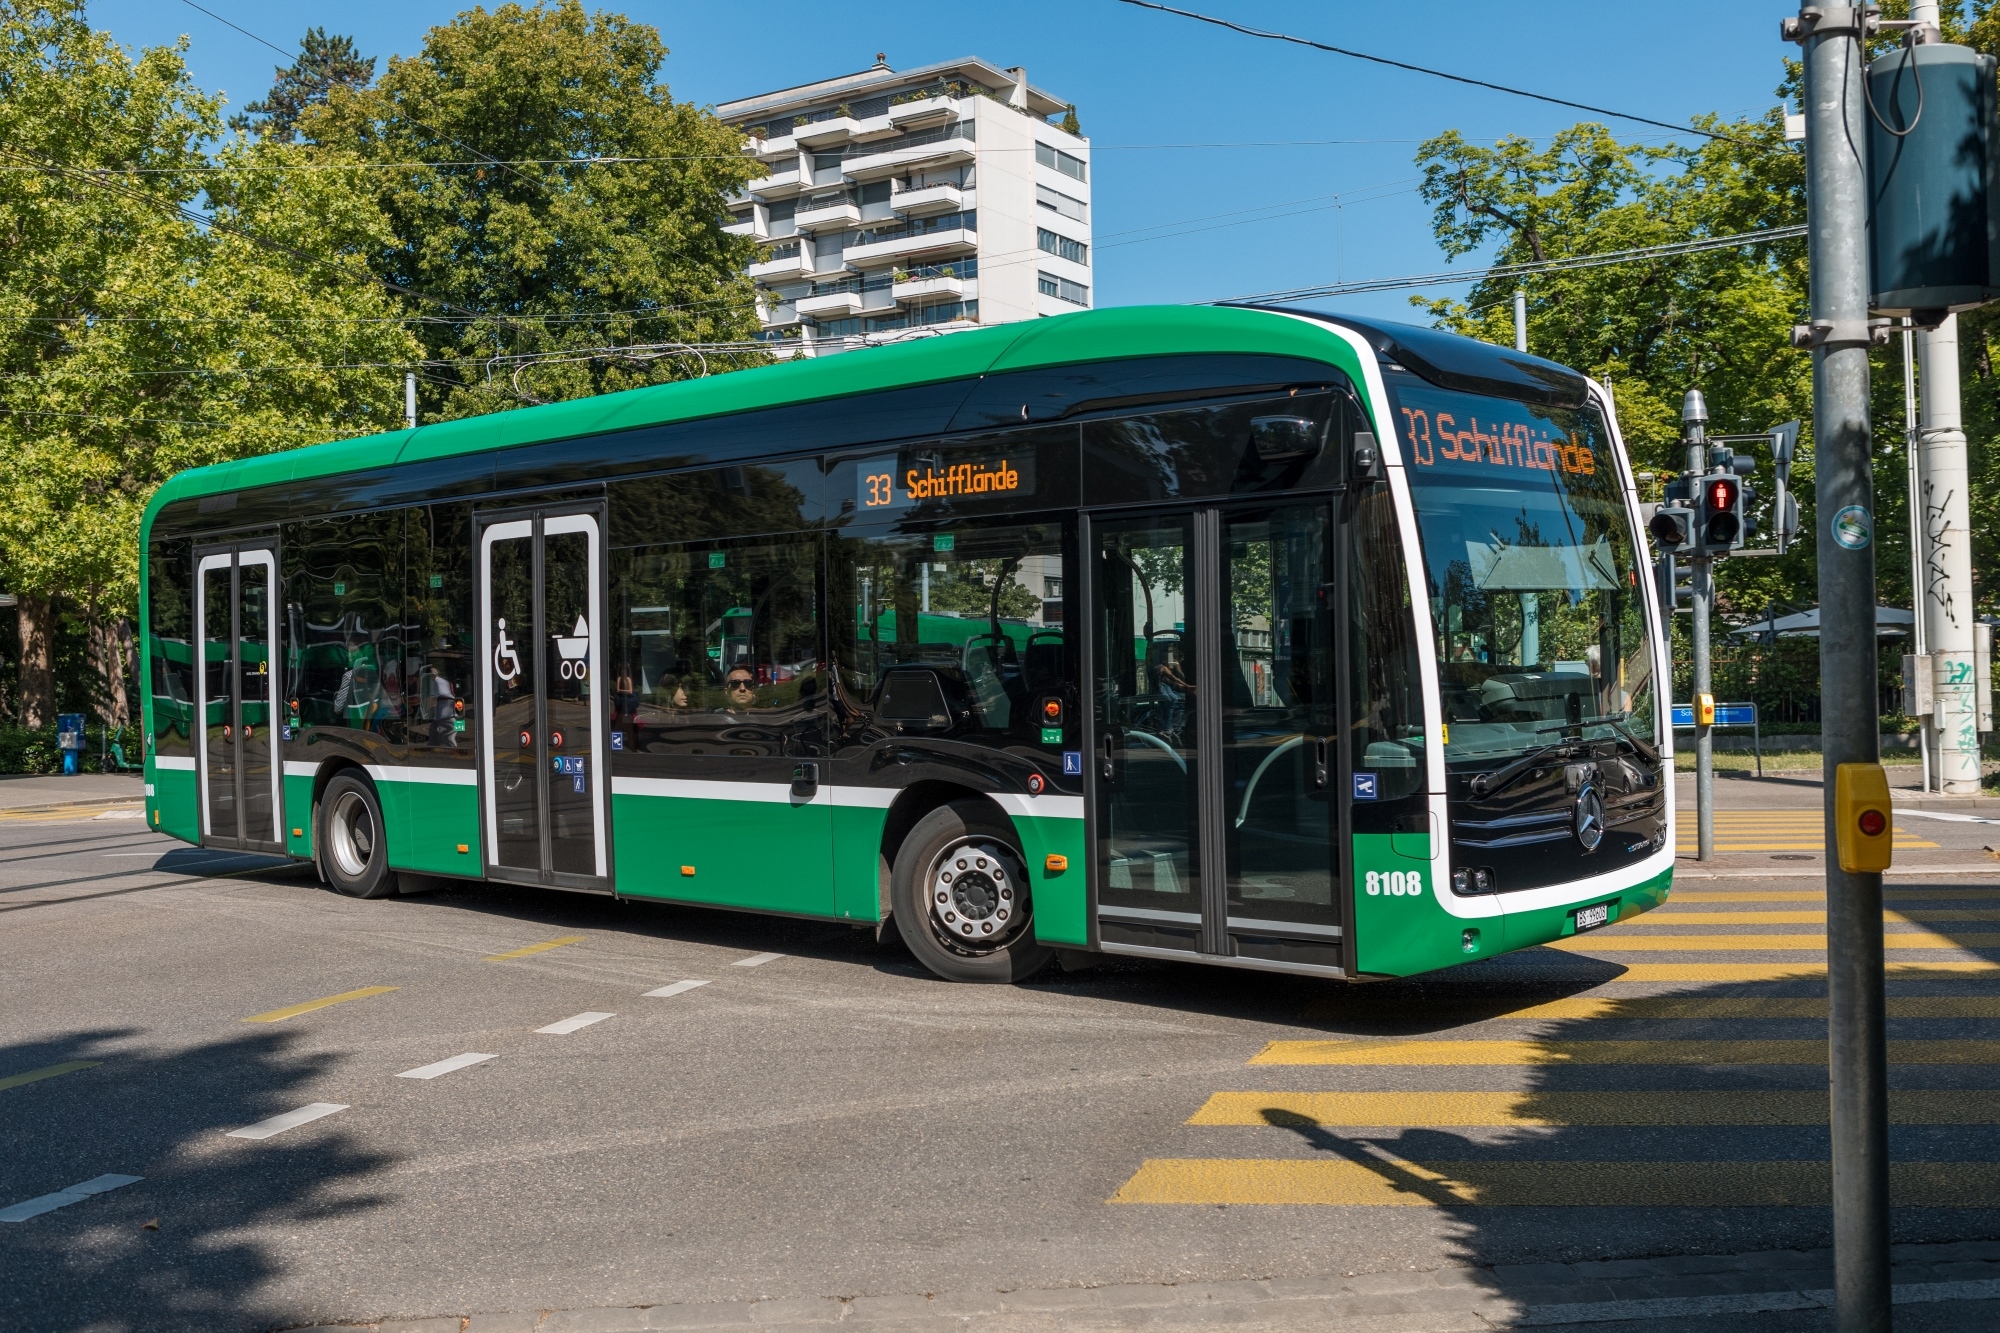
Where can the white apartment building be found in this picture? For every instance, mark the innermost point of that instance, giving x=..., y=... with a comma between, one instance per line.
x=901, y=205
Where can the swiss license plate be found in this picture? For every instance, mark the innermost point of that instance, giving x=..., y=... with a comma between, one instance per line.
x=1587, y=917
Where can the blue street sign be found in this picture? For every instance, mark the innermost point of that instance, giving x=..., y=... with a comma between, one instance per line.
x=1726, y=715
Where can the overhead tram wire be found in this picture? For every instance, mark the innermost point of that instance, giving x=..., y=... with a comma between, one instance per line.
x=1507, y=271
x=1435, y=73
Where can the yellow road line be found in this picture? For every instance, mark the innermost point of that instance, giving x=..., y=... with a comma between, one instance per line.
x=1691, y=848
x=294, y=1010
x=1943, y=893
x=51, y=1071
x=1375, y=1181
x=1797, y=971
x=1600, y=942
x=543, y=947
x=1379, y=1052
x=1749, y=1006
x=1558, y=1109
x=47, y=813
x=1918, y=917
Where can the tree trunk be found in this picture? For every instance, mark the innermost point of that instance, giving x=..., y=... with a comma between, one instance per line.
x=38, y=684
x=108, y=641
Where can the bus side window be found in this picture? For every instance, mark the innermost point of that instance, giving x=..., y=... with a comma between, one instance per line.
x=1385, y=728
x=171, y=605
x=344, y=621
x=438, y=677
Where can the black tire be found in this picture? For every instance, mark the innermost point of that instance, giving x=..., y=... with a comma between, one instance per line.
x=353, y=850
x=973, y=922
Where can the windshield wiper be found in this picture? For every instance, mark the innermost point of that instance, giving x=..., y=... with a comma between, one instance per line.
x=1614, y=720
x=1487, y=784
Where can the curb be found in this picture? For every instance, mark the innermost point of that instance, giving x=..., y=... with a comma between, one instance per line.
x=1449, y=1300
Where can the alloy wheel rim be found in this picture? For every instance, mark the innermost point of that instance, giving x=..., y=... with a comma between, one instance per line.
x=976, y=896
x=352, y=839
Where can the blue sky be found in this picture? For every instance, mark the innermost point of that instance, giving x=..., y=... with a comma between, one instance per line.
x=1280, y=166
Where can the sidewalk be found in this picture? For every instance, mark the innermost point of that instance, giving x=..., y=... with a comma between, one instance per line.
x=1960, y=1283
x=37, y=791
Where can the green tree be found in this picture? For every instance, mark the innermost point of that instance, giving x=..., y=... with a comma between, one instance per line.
x=324, y=63
x=567, y=205
x=139, y=336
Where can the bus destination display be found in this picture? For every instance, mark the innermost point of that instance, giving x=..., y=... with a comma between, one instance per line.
x=1531, y=442
x=894, y=481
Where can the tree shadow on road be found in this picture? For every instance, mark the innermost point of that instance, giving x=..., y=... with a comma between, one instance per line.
x=163, y=1114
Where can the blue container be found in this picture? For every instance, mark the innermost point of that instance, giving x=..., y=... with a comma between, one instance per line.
x=1934, y=191
x=69, y=739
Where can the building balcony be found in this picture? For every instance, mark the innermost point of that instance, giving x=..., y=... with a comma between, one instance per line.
x=746, y=226
x=785, y=261
x=914, y=245
x=928, y=199
x=831, y=305
x=780, y=185
x=922, y=112
x=895, y=158
x=827, y=212
x=828, y=133
x=772, y=150
x=914, y=287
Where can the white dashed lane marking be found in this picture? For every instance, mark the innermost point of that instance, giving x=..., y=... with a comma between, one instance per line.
x=569, y=1025
x=443, y=1067
x=278, y=1124
x=757, y=960
x=675, y=988
x=77, y=1193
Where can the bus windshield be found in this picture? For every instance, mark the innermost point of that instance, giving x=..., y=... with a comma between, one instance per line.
x=1534, y=586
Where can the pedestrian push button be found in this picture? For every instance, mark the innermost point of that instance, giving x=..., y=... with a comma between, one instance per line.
x=1862, y=817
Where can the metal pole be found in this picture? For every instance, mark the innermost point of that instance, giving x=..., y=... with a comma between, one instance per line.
x=1947, y=571
x=1520, y=319
x=1915, y=492
x=1694, y=432
x=1837, y=255
x=410, y=399
x=1757, y=734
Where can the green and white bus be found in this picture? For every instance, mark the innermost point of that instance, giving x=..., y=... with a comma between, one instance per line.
x=1246, y=636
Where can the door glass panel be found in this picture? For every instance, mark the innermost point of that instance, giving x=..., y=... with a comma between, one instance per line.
x=1145, y=700
x=219, y=701
x=569, y=635
x=517, y=829
x=260, y=822
x=1277, y=700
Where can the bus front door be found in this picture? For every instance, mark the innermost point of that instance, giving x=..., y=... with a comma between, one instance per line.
x=1216, y=769
x=237, y=700
x=543, y=769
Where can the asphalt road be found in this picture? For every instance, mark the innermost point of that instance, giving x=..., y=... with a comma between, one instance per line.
x=821, y=1117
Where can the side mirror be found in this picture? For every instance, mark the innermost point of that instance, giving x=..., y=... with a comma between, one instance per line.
x=1366, y=457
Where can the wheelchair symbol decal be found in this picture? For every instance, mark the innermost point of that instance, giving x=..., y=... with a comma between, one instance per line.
x=506, y=662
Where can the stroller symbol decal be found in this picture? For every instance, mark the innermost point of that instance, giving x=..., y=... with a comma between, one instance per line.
x=574, y=649
x=506, y=662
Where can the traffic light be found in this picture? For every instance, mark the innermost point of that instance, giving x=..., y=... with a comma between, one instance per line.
x=1721, y=516
x=1672, y=527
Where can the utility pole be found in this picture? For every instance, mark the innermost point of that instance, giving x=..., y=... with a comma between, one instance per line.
x=1914, y=489
x=1520, y=319
x=1837, y=251
x=410, y=399
x=1946, y=591
x=1701, y=564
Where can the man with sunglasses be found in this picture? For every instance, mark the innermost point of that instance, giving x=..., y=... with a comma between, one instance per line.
x=739, y=691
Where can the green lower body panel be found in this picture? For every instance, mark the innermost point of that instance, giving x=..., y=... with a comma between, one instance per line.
x=435, y=827
x=1062, y=897
x=173, y=802
x=1402, y=928
x=770, y=856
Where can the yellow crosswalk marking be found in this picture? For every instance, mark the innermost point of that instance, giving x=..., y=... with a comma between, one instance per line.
x=1560, y=1109
x=1916, y=917
x=1798, y=971
x=1943, y=893
x=1749, y=1006
x=546, y=945
x=47, y=1071
x=1599, y=942
x=1687, y=849
x=1382, y=1181
x=1449, y=1052
x=294, y=1010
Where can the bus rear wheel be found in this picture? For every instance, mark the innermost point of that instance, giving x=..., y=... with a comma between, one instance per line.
x=353, y=853
x=959, y=896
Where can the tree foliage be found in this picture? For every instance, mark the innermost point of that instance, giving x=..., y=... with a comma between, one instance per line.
x=324, y=63
x=564, y=205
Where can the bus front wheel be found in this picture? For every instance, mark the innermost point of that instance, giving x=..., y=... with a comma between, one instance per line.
x=354, y=854
x=959, y=896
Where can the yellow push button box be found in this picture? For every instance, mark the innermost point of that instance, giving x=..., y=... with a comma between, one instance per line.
x=1862, y=817
x=1704, y=710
